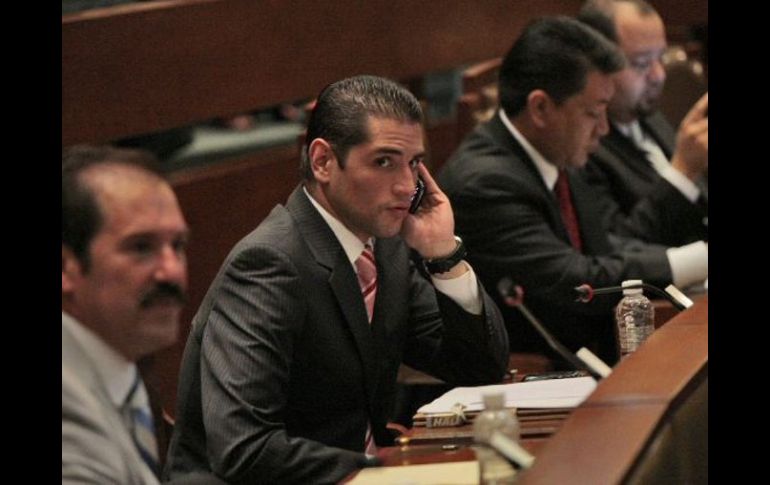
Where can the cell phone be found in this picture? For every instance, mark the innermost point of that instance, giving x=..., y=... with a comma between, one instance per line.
x=419, y=192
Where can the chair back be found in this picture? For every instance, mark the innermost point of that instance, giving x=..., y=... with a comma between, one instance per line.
x=479, y=98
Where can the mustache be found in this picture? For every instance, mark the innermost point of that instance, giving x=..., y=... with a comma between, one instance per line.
x=163, y=291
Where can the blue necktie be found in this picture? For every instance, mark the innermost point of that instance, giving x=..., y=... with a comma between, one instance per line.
x=139, y=416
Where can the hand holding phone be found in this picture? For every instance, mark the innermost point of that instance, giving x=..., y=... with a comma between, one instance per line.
x=419, y=192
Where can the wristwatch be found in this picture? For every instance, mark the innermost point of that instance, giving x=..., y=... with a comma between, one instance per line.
x=442, y=265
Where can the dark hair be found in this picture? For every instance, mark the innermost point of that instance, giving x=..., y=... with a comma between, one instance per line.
x=554, y=54
x=342, y=109
x=81, y=215
x=600, y=14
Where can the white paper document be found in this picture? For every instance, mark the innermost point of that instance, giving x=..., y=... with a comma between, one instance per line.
x=460, y=473
x=552, y=393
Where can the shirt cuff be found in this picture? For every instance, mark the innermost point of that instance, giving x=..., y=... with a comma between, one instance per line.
x=689, y=264
x=464, y=290
x=679, y=180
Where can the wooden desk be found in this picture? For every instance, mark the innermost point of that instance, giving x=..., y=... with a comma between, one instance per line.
x=665, y=311
x=646, y=423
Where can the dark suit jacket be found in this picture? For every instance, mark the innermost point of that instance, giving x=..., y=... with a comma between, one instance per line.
x=512, y=227
x=637, y=201
x=282, y=370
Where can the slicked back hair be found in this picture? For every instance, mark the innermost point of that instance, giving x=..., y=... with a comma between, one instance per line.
x=343, y=108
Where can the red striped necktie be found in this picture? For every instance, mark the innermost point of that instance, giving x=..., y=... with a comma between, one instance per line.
x=367, y=278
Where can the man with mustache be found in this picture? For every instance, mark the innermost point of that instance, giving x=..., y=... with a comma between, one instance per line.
x=524, y=211
x=124, y=278
x=651, y=178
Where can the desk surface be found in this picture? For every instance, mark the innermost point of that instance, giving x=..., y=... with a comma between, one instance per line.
x=601, y=440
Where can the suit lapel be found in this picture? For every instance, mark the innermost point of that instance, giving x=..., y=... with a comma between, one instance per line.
x=628, y=155
x=388, y=280
x=661, y=131
x=500, y=132
x=592, y=232
x=328, y=253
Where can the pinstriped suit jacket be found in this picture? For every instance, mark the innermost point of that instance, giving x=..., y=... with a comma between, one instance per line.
x=638, y=201
x=96, y=444
x=282, y=371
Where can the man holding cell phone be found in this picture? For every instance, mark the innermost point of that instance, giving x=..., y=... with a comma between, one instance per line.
x=289, y=374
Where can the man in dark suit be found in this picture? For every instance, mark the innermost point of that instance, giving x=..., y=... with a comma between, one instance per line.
x=651, y=179
x=523, y=211
x=290, y=370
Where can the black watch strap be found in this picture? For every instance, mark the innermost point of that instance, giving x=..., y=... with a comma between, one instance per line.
x=442, y=265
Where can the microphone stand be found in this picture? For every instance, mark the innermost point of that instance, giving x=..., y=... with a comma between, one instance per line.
x=505, y=286
x=680, y=301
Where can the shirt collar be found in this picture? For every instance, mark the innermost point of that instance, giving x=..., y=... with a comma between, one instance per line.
x=547, y=170
x=631, y=130
x=350, y=243
x=115, y=371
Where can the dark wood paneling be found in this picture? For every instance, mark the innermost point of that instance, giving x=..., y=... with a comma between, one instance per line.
x=157, y=65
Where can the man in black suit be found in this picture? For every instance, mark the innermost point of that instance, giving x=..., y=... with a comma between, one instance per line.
x=555, y=84
x=650, y=178
x=284, y=379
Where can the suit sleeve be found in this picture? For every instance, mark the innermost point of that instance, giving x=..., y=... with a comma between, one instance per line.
x=246, y=360
x=663, y=216
x=448, y=342
x=506, y=223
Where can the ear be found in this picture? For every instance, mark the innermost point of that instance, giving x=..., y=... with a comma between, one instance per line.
x=538, y=107
x=70, y=270
x=321, y=158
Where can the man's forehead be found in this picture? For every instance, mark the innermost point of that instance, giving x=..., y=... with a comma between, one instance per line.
x=638, y=32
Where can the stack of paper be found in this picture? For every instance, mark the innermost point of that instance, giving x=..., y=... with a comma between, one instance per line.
x=550, y=396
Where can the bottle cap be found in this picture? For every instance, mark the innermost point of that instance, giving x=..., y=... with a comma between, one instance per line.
x=632, y=291
x=494, y=401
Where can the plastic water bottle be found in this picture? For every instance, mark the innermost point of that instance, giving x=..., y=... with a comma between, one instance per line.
x=495, y=470
x=635, y=317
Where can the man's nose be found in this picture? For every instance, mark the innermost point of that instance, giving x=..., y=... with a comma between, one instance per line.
x=406, y=181
x=172, y=266
x=657, y=72
x=603, y=126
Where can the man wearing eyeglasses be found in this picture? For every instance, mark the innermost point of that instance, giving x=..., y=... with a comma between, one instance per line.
x=652, y=179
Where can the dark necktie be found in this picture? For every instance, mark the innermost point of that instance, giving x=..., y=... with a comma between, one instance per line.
x=137, y=412
x=568, y=215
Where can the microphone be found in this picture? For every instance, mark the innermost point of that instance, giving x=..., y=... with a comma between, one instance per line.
x=586, y=293
x=513, y=296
